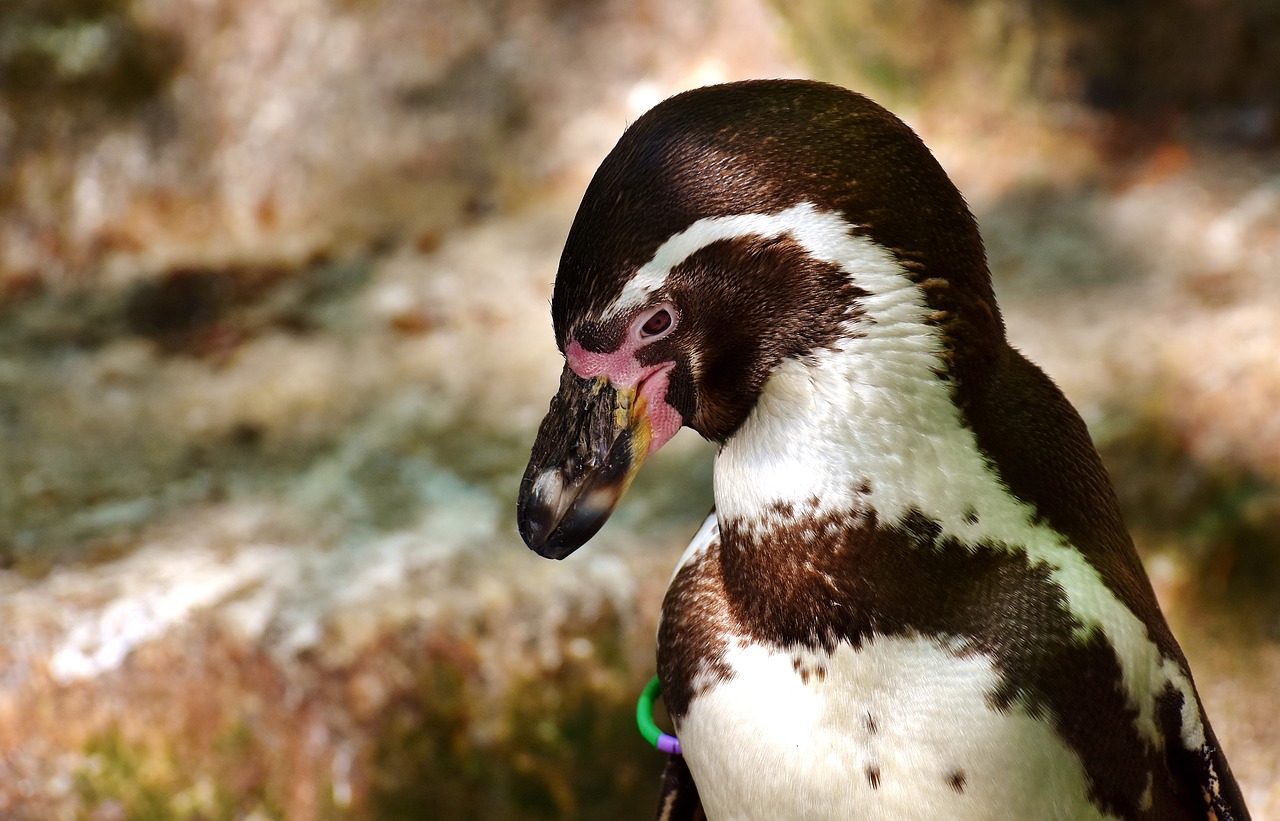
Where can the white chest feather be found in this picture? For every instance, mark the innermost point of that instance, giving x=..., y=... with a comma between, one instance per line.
x=899, y=729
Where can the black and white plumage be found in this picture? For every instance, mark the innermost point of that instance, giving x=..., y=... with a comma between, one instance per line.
x=916, y=597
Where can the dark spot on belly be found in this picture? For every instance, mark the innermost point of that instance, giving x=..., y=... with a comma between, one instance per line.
x=821, y=673
x=971, y=516
x=870, y=723
x=873, y=777
x=956, y=780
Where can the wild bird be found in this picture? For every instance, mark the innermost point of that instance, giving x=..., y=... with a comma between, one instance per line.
x=916, y=598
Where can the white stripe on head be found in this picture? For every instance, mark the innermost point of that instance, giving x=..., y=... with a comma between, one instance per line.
x=651, y=276
x=873, y=409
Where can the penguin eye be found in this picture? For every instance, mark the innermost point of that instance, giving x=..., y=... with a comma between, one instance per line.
x=656, y=324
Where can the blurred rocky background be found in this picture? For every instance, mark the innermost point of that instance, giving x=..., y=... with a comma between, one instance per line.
x=274, y=341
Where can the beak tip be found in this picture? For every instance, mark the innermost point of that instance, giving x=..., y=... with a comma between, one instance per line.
x=555, y=536
x=548, y=546
x=534, y=521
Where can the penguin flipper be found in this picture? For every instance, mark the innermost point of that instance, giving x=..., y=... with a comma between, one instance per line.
x=1219, y=787
x=1200, y=780
x=679, y=798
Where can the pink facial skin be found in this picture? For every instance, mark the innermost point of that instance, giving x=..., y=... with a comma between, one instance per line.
x=625, y=371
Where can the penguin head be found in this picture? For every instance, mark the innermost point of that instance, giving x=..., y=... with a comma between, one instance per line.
x=728, y=232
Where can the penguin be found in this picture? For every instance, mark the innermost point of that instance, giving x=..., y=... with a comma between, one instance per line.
x=916, y=597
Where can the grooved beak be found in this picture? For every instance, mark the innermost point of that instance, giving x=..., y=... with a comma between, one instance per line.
x=589, y=447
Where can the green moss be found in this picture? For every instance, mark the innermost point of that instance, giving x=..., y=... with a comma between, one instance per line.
x=82, y=50
x=577, y=753
x=562, y=746
x=124, y=775
x=143, y=782
x=424, y=759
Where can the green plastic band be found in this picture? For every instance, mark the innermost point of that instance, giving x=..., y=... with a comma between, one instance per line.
x=644, y=719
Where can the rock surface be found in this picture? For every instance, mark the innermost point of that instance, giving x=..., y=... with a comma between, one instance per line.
x=274, y=342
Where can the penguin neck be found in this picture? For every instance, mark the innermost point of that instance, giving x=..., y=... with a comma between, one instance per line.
x=867, y=427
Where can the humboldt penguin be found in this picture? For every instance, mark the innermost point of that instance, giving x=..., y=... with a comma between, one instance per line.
x=916, y=597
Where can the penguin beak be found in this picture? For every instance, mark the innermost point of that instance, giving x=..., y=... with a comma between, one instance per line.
x=590, y=446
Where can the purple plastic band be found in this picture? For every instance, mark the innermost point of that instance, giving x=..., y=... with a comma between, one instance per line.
x=669, y=744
